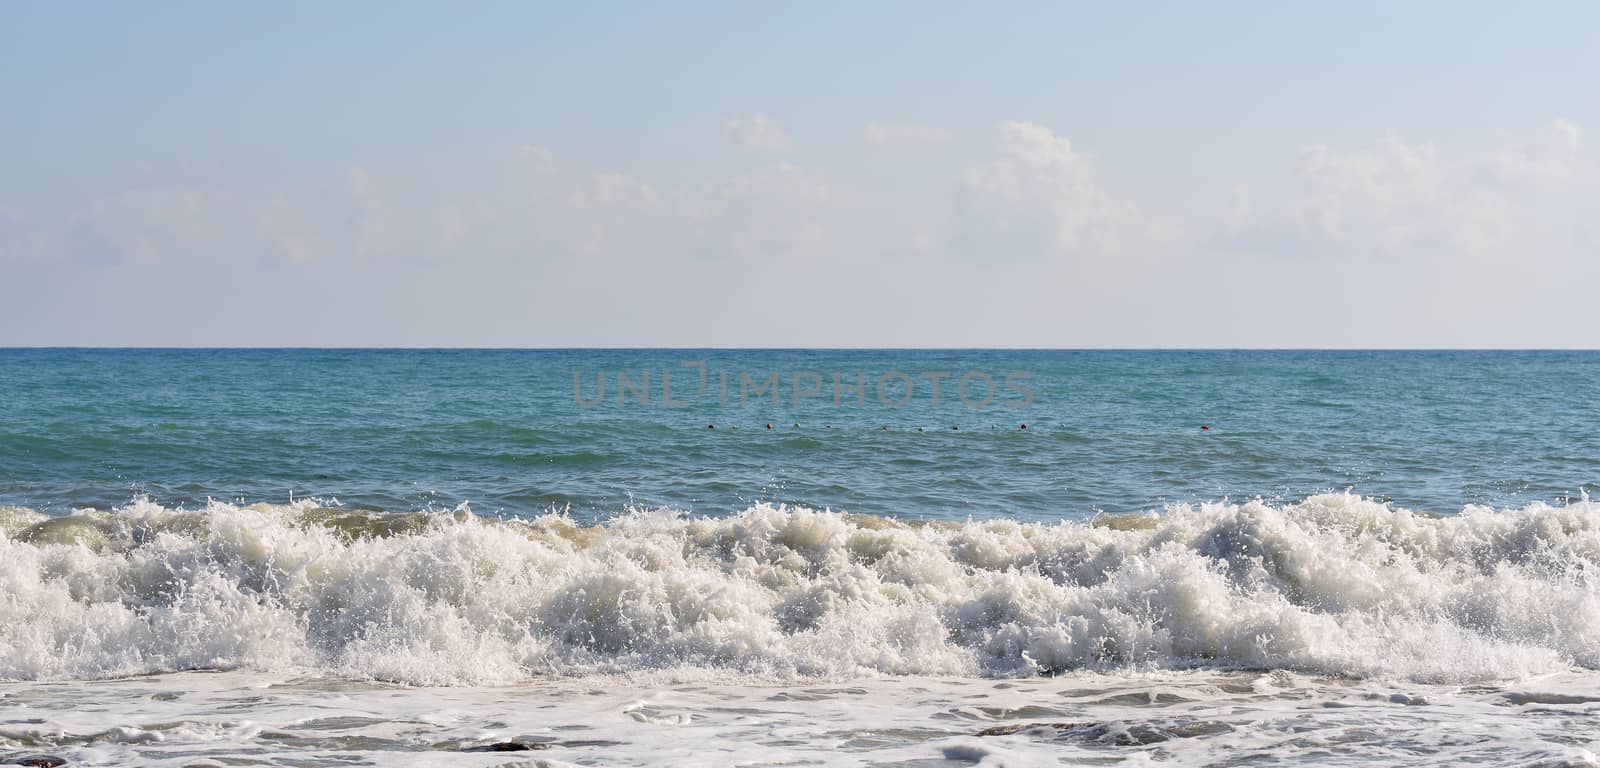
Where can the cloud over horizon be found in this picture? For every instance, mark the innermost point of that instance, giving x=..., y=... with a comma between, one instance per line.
x=1044, y=190
x=1006, y=214
x=903, y=133
x=1398, y=196
x=758, y=131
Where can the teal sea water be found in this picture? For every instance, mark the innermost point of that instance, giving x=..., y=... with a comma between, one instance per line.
x=508, y=431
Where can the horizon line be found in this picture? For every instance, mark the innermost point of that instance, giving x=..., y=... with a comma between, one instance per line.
x=404, y=348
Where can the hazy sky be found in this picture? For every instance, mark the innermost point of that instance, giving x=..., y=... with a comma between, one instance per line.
x=804, y=174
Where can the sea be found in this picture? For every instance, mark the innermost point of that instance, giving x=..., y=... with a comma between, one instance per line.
x=908, y=558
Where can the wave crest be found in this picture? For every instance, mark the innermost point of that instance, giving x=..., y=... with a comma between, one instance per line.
x=1335, y=584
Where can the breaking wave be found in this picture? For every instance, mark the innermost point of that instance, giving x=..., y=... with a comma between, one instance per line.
x=1335, y=584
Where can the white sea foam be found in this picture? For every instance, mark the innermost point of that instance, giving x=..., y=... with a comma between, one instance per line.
x=1333, y=585
x=1199, y=717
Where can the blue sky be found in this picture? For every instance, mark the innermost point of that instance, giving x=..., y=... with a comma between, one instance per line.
x=1060, y=175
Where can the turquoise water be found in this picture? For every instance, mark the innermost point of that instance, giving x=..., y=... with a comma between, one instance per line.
x=505, y=431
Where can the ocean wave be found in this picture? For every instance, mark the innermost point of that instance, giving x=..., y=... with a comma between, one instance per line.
x=1335, y=584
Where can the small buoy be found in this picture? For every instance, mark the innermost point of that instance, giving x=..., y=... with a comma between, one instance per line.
x=1205, y=426
x=1024, y=426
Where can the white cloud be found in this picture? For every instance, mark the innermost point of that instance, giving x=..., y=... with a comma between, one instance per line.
x=612, y=190
x=1397, y=197
x=146, y=226
x=1041, y=193
x=538, y=159
x=758, y=132
x=12, y=237
x=279, y=224
x=610, y=213
x=375, y=230
x=772, y=211
x=903, y=133
x=610, y=238
x=785, y=181
x=1550, y=154
x=450, y=226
